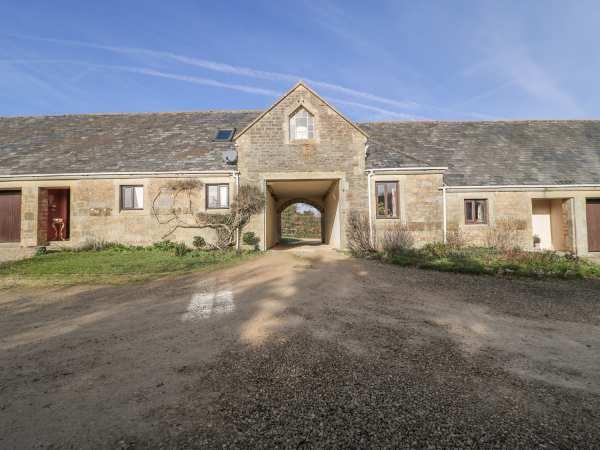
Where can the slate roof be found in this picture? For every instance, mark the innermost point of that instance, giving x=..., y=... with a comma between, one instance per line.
x=141, y=142
x=492, y=153
x=476, y=153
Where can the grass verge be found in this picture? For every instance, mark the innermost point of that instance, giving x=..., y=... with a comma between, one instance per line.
x=478, y=260
x=111, y=265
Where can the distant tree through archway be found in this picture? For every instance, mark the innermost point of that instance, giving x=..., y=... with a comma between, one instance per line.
x=299, y=221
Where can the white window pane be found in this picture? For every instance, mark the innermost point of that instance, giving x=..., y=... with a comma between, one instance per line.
x=480, y=212
x=138, y=197
x=224, y=196
x=301, y=132
x=302, y=125
x=213, y=196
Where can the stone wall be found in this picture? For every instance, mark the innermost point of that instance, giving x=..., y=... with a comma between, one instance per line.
x=95, y=210
x=337, y=151
x=420, y=205
x=516, y=204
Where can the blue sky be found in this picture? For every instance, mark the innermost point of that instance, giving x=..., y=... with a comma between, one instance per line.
x=388, y=60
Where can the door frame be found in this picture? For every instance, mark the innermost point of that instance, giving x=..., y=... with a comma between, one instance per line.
x=591, y=200
x=20, y=212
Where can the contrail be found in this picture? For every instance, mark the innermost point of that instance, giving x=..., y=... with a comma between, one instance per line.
x=200, y=80
x=228, y=68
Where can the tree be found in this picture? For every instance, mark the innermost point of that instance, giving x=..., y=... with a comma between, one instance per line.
x=182, y=213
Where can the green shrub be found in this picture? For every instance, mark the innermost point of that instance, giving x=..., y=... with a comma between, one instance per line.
x=41, y=251
x=165, y=245
x=181, y=249
x=436, y=250
x=250, y=238
x=199, y=242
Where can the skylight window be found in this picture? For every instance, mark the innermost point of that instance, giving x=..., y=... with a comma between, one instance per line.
x=224, y=135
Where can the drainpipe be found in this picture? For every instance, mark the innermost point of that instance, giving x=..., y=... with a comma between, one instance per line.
x=236, y=177
x=369, y=178
x=444, y=213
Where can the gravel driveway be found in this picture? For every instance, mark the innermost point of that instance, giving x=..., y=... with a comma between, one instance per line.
x=303, y=347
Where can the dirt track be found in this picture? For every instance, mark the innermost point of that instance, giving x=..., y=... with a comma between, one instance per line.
x=303, y=347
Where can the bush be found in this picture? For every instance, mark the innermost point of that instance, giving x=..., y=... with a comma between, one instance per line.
x=396, y=239
x=455, y=238
x=357, y=233
x=199, y=242
x=505, y=235
x=180, y=249
x=250, y=238
x=164, y=246
x=41, y=251
x=436, y=250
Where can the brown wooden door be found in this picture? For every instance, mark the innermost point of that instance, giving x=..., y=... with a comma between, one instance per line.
x=10, y=216
x=58, y=210
x=593, y=224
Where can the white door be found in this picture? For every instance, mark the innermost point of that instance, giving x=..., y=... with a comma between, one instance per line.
x=541, y=224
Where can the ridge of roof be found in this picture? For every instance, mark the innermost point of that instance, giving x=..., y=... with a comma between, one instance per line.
x=499, y=121
x=141, y=113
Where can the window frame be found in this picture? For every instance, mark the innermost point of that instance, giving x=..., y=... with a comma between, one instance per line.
x=397, y=205
x=218, y=185
x=310, y=125
x=474, y=202
x=122, y=188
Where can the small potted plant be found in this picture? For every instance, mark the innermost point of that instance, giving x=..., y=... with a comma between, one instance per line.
x=536, y=242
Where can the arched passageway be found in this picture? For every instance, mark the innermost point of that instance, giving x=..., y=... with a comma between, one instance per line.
x=322, y=195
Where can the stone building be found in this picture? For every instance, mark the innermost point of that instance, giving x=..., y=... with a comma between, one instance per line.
x=68, y=179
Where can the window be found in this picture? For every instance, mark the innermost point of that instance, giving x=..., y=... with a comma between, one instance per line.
x=387, y=199
x=217, y=196
x=225, y=135
x=132, y=197
x=475, y=211
x=302, y=125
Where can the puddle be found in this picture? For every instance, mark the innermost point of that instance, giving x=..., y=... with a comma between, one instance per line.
x=209, y=304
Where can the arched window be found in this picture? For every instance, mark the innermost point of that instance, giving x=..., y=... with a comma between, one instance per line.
x=302, y=125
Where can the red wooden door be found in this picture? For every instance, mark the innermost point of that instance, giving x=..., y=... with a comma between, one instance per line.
x=593, y=224
x=10, y=216
x=58, y=214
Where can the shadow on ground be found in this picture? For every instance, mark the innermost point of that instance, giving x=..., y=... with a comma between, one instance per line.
x=303, y=347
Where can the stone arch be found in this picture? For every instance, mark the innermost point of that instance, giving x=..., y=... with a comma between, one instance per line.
x=293, y=201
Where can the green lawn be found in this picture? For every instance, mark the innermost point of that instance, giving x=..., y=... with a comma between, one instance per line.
x=111, y=265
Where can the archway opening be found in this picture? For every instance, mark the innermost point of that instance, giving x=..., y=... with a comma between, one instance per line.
x=301, y=223
x=313, y=202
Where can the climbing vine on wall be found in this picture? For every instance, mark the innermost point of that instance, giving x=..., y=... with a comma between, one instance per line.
x=173, y=206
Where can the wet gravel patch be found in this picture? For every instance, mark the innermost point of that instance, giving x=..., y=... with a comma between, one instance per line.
x=305, y=392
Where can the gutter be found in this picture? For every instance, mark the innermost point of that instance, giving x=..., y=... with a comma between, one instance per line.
x=445, y=214
x=369, y=178
x=408, y=169
x=236, y=175
x=525, y=186
x=92, y=175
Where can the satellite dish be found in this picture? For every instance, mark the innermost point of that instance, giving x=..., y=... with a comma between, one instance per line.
x=230, y=156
